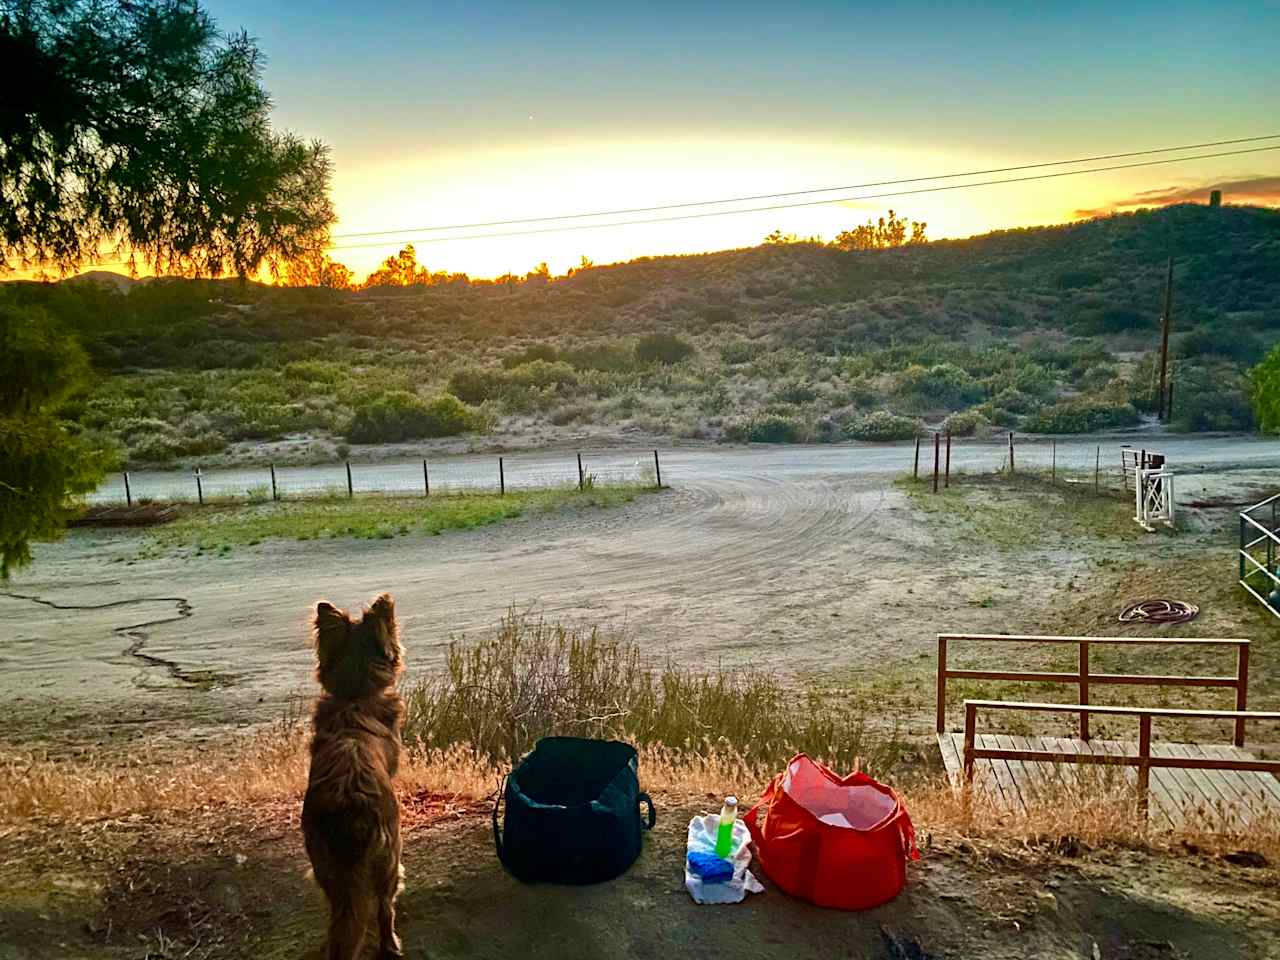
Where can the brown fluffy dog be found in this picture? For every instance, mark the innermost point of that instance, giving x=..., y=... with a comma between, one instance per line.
x=350, y=818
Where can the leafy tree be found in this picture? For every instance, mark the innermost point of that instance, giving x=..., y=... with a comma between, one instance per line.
x=42, y=465
x=893, y=231
x=133, y=126
x=317, y=269
x=129, y=126
x=401, y=270
x=1264, y=383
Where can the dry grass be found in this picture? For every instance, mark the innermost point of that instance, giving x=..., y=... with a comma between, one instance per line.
x=532, y=679
x=699, y=736
x=1072, y=817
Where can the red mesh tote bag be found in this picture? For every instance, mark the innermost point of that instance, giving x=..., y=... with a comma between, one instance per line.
x=839, y=842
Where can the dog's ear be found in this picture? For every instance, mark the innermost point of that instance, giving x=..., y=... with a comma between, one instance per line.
x=331, y=628
x=382, y=614
x=383, y=608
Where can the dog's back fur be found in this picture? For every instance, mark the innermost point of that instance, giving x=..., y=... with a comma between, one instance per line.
x=350, y=817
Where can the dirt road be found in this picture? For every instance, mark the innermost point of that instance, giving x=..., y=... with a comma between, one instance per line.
x=787, y=559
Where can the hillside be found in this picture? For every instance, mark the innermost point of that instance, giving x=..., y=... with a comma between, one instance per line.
x=1045, y=329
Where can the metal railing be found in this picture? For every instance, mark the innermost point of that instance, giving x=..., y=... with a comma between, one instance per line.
x=1084, y=678
x=1260, y=536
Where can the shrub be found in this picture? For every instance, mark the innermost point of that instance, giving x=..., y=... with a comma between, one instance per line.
x=737, y=352
x=531, y=679
x=1014, y=400
x=767, y=428
x=796, y=391
x=605, y=357
x=718, y=313
x=1264, y=385
x=662, y=348
x=540, y=373
x=149, y=440
x=1083, y=415
x=1219, y=340
x=539, y=351
x=1210, y=399
x=965, y=424
x=475, y=384
x=882, y=425
x=313, y=371
x=942, y=385
x=400, y=415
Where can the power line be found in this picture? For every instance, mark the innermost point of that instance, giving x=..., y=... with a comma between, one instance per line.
x=787, y=206
x=798, y=193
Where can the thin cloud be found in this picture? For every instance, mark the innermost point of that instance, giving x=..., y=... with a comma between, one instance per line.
x=1260, y=191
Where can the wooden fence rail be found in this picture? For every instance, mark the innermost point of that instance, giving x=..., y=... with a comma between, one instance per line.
x=1084, y=678
x=1143, y=759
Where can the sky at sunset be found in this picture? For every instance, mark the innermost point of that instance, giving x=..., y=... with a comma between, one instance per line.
x=463, y=113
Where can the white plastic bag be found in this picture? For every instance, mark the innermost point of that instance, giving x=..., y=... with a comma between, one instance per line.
x=702, y=839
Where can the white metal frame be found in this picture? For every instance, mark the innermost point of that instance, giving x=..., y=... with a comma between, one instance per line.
x=1153, y=498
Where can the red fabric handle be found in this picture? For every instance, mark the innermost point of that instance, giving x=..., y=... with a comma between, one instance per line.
x=749, y=818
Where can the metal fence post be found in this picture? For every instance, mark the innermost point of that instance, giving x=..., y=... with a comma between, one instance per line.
x=915, y=466
x=1053, y=462
x=426, y=480
x=128, y=495
x=199, y=488
x=351, y=490
x=935, y=461
x=274, y=494
x=947, y=482
x=1011, y=469
x=657, y=469
x=1097, y=468
x=580, y=477
x=502, y=479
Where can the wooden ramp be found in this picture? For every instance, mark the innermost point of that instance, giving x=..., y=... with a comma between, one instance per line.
x=1212, y=799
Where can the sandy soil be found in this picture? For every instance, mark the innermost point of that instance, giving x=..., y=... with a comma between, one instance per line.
x=799, y=561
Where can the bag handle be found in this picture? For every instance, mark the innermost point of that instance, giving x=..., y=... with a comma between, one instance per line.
x=653, y=814
x=749, y=818
x=497, y=834
x=907, y=830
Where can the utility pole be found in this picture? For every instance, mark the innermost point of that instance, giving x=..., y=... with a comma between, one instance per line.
x=1167, y=321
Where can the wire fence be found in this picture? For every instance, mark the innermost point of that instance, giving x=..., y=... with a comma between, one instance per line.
x=1105, y=467
x=412, y=478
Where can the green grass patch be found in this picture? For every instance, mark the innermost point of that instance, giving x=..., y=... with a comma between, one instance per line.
x=1021, y=512
x=220, y=528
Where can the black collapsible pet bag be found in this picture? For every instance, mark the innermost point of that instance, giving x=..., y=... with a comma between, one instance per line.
x=573, y=812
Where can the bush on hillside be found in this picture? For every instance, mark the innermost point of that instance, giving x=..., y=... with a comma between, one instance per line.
x=399, y=415
x=538, y=351
x=1207, y=398
x=665, y=348
x=881, y=426
x=1082, y=415
x=943, y=385
x=967, y=423
x=475, y=384
x=767, y=428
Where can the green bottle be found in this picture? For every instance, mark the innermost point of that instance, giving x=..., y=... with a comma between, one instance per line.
x=724, y=833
